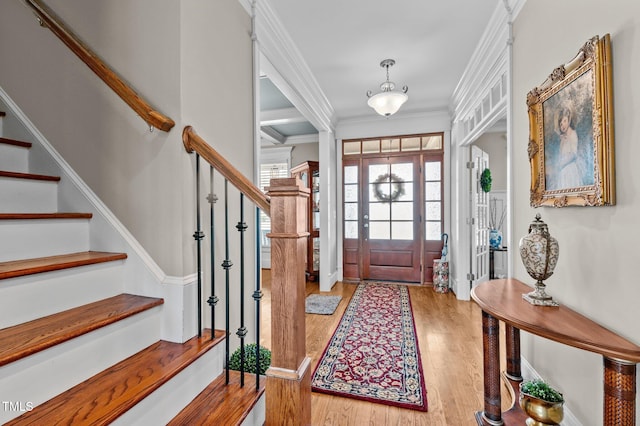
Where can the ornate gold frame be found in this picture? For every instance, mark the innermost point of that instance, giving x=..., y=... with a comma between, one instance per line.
x=585, y=82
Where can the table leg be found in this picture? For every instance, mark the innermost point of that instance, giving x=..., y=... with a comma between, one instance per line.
x=512, y=340
x=619, y=393
x=492, y=414
x=492, y=273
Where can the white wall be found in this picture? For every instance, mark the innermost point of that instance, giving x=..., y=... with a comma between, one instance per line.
x=142, y=176
x=216, y=76
x=105, y=142
x=597, y=271
x=191, y=60
x=304, y=152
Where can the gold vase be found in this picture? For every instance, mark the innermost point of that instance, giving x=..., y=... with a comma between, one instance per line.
x=541, y=412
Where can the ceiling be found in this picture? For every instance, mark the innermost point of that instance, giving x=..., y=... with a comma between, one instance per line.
x=343, y=43
x=280, y=122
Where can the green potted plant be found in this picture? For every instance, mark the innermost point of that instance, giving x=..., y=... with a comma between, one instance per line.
x=250, y=350
x=542, y=403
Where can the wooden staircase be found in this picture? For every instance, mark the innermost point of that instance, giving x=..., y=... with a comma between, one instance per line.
x=74, y=347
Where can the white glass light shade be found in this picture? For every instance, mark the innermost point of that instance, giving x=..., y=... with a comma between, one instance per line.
x=387, y=103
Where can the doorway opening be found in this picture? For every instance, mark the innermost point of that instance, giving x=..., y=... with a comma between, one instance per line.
x=393, y=204
x=487, y=211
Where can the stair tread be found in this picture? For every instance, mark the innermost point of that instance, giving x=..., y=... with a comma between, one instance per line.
x=25, y=339
x=102, y=398
x=32, y=176
x=15, y=142
x=61, y=215
x=232, y=403
x=17, y=268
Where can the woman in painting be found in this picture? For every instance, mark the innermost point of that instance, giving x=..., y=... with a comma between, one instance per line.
x=568, y=172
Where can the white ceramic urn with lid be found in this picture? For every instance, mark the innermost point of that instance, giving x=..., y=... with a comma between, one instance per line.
x=539, y=252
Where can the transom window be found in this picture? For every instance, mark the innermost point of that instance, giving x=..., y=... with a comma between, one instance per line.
x=410, y=143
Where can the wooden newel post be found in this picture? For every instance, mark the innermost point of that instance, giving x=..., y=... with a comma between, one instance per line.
x=288, y=387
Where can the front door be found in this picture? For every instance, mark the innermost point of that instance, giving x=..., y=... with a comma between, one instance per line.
x=391, y=218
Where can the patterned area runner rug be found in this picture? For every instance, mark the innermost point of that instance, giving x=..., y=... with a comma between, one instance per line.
x=321, y=304
x=373, y=354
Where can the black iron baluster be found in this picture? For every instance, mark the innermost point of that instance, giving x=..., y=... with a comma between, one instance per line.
x=226, y=264
x=242, y=330
x=213, y=299
x=257, y=294
x=198, y=235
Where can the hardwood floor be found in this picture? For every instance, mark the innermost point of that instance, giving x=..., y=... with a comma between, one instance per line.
x=450, y=341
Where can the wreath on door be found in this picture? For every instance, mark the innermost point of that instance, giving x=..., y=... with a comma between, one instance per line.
x=485, y=180
x=397, y=187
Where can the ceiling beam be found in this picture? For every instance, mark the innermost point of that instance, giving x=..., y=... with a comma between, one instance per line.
x=300, y=139
x=277, y=117
x=272, y=135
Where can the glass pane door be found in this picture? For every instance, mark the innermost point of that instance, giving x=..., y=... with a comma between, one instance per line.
x=391, y=225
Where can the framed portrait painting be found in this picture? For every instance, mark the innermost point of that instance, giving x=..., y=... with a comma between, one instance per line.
x=571, y=148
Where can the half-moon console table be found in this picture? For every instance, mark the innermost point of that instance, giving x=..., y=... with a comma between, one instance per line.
x=501, y=300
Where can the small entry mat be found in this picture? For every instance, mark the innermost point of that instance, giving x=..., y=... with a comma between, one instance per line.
x=321, y=304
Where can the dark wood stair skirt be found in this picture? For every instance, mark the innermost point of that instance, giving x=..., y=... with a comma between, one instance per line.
x=18, y=268
x=104, y=397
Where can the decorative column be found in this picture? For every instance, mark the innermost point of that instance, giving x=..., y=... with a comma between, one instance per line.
x=619, y=393
x=492, y=414
x=512, y=341
x=288, y=387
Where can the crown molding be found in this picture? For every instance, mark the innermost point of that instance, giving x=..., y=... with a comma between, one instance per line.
x=408, y=122
x=489, y=55
x=282, y=62
x=491, y=47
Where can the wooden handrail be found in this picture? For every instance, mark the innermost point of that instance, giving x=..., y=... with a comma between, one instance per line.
x=50, y=20
x=193, y=142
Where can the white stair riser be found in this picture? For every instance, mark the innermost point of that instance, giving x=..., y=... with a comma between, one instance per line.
x=27, y=239
x=14, y=158
x=26, y=298
x=174, y=395
x=257, y=415
x=41, y=376
x=28, y=196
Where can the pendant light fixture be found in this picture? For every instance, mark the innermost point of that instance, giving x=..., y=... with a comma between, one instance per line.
x=388, y=101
